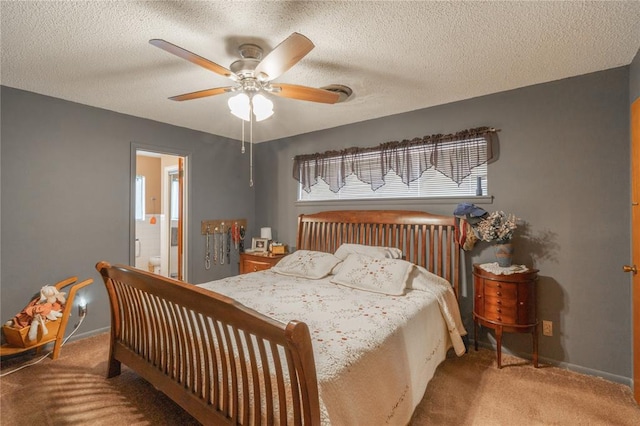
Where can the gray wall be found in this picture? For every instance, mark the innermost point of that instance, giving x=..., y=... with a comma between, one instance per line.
x=563, y=167
x=65, y=194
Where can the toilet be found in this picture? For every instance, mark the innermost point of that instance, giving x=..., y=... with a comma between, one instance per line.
x=154, y=264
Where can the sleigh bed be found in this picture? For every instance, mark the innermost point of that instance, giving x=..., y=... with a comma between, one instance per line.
x=314, y=340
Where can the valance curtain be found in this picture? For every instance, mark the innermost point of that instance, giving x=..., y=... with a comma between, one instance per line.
x=453, y=155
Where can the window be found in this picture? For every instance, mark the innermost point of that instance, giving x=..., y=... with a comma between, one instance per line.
x=432, y=184
x=431, y=167
x=140, y=210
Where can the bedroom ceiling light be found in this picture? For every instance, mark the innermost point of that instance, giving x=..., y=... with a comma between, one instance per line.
x=241, y=106
x=254, y=108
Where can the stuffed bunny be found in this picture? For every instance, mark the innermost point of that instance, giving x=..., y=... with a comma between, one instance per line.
x=50, y=294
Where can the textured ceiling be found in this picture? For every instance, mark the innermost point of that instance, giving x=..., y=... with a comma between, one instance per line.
x=396, y=56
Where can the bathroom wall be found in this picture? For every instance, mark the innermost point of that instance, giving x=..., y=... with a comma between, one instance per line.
x=149, y=167
x=147, y=240
x=148, y=234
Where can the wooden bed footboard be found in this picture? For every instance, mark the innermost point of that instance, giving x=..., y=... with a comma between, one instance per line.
x=221, y=361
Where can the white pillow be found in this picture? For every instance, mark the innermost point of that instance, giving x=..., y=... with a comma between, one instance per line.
x=306, y=264
x=374, y=251
x=378, y=275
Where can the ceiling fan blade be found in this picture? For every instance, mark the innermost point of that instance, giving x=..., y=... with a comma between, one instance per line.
x=283, y=56
x=202, y=94
x=192, y=57
x=305, y=93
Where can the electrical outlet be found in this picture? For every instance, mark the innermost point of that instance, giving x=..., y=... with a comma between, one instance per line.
x=82, y=310
x=547, y=328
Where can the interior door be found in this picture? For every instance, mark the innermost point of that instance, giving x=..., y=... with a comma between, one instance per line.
x=180, y=217
x=635, y=244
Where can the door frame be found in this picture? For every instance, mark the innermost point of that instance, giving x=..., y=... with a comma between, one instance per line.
x=635, y=242
x=167, y=172
x=135, y=147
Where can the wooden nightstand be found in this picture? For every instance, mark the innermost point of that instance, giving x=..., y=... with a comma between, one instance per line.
x=505, y=303
x=250, y=262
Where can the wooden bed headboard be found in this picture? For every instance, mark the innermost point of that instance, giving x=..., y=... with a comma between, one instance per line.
x=425, y=239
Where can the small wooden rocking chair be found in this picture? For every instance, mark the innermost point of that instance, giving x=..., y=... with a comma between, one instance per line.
x=16, y=338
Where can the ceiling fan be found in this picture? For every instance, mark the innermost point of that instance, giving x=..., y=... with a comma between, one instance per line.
x=253, y=73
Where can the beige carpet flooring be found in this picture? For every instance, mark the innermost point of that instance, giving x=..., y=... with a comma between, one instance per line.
x=73, y=390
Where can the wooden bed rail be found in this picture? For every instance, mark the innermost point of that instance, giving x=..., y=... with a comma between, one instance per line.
x=221, y=361
x=425, y=239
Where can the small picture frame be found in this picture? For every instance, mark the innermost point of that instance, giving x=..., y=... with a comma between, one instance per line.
x=260, y=245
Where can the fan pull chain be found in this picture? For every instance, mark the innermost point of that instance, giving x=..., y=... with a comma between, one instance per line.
x=251, y=144
x=242, y=150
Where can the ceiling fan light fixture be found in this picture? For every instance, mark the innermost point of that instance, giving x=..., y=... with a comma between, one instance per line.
x=262, y=107
x=239, y=106
x=253, y=74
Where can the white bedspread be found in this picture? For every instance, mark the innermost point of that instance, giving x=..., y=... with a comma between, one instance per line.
x=374, y=353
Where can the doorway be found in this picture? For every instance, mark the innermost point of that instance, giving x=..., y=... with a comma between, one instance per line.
x=159, y=212
x=635, y=243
